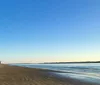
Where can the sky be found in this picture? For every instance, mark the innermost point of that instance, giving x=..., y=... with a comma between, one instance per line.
x=49, y=30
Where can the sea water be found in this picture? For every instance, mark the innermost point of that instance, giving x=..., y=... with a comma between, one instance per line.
x=84, y=71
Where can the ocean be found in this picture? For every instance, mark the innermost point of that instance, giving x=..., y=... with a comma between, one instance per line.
x=84, y=71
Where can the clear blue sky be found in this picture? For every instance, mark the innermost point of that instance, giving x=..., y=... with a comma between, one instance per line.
x=49, y=30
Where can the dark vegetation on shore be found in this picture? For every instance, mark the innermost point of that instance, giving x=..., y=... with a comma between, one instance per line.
x=70, y=62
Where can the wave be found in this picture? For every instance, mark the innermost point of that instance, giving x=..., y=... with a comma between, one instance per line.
x=79, y=71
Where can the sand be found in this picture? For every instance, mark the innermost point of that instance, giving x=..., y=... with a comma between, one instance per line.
x=14, y=75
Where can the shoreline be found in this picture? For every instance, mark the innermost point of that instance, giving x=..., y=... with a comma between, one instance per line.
x=15, y=75
x=71, y=80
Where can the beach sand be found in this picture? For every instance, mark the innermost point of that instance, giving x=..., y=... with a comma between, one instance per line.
x=14, y=75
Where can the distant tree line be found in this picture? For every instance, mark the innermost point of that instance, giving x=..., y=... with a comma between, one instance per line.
x=70, y=62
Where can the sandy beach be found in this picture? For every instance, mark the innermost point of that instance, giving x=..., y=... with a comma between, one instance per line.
x=14, y=75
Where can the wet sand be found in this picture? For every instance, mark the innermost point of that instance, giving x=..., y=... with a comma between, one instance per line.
x=14, y=75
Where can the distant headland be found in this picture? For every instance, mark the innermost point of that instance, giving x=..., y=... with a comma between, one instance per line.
x=70, y=62
x=61, y=62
